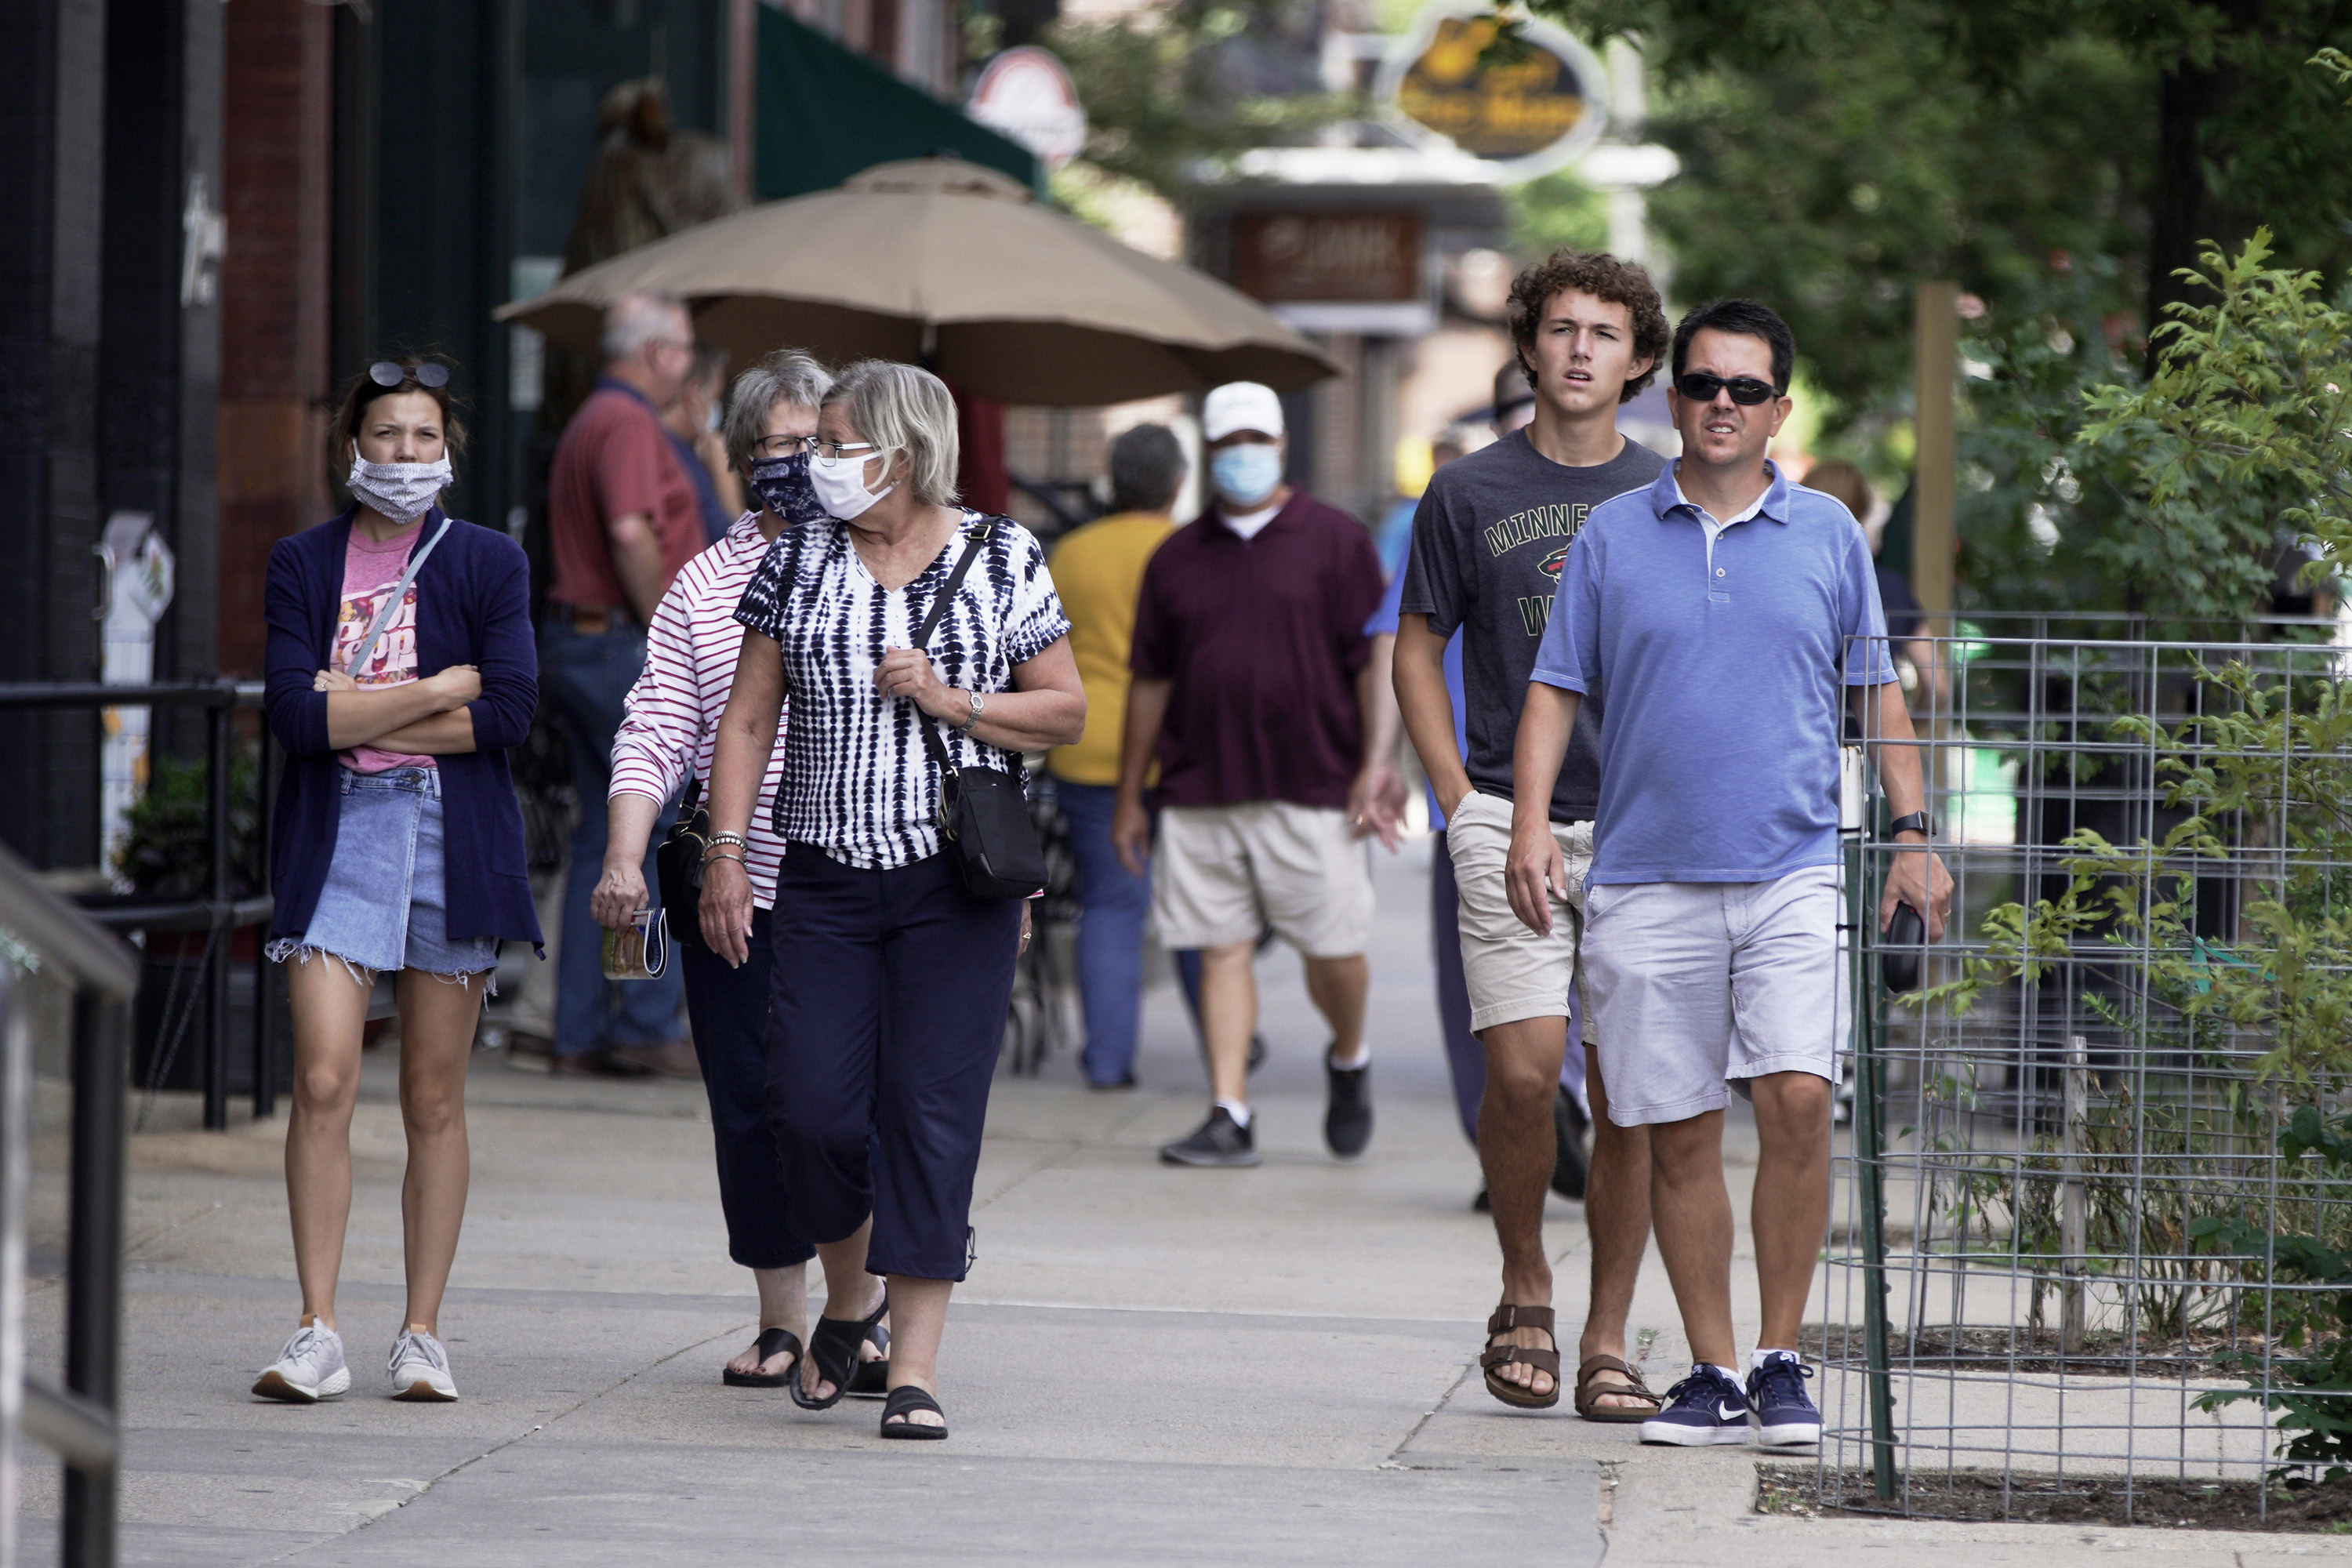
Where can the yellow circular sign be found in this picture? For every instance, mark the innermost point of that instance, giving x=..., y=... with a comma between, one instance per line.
x=1522, y=94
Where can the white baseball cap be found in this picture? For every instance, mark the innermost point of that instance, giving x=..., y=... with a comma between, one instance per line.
x=1240, y=405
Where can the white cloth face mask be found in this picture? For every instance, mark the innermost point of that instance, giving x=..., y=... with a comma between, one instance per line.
x=401, y=492
x=840, y=485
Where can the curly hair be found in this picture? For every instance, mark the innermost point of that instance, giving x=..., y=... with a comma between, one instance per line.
x=1604, y=277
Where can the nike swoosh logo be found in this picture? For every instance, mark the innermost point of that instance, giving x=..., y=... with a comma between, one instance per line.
x=1731, y=1413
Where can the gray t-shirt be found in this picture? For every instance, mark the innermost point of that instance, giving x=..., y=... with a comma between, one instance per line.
x=1488, y=542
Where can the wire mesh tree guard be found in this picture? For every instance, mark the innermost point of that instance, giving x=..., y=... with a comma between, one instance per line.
x=2091, y=1214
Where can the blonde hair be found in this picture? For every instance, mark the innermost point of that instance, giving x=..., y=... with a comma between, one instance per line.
x=906, y=411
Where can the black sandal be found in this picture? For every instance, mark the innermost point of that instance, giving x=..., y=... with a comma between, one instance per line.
x=771, y=1341
x=834, y=1348
x=903, y=1402
x=872, y=1378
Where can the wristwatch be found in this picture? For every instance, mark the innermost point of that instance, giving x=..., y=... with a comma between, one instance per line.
x=977, y=704
x=1916, y=822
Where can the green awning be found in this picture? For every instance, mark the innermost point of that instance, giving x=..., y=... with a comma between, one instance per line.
x=827, y=112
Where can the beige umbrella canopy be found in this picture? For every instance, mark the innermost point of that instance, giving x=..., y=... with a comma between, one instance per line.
x=1012, y=301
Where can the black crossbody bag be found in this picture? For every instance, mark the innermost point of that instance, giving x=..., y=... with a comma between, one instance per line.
x=678, y=867
x=983, y=812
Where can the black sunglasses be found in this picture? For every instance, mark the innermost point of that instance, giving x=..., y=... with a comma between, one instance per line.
x=391, y=373
x=1701, y=387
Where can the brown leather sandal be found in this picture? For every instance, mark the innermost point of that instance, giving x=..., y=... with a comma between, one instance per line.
x=1506, y=1318
x=1588, y=1399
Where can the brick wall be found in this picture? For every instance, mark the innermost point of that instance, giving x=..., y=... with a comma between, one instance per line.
x=274, y=397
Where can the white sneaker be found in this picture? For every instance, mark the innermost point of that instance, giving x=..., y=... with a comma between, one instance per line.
x=310, y=1368
x=420, y=1367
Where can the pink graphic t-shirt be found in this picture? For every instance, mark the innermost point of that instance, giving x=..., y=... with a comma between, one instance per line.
x=370, y=572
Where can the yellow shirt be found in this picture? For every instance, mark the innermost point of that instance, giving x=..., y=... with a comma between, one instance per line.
x=1098, y=571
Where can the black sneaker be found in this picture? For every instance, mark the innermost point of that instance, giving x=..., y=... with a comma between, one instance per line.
x=1221, y=1140
x=1348, y=1120
x=1569, y=1161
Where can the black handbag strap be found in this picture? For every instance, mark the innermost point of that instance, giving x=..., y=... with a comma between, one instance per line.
x=981, y=535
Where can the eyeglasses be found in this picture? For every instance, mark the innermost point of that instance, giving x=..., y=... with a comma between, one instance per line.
x=392, y=372
x=834, y=451
x=782, y=445
x=1701, y=387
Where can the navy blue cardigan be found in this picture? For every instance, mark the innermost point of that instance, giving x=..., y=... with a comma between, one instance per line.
x=473, y=606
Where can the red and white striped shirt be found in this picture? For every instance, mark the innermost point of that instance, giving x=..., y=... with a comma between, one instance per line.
x=674, y=707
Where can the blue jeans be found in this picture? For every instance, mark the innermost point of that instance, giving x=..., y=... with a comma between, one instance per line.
x=589, y=678
x=1112, y=906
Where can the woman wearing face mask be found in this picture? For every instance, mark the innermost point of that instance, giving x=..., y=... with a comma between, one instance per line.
x=668, y=737
x=400, y=669
x=890, y=983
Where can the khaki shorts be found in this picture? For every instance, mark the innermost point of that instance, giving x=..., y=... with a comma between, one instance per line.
x=1220, y=874
x=1512, y=971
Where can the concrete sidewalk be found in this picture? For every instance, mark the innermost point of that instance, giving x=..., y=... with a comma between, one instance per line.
x=1147, y=1365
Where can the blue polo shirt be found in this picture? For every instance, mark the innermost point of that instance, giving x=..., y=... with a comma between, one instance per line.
x=1722, y=671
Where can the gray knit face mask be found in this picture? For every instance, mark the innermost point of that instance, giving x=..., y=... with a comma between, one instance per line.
x=401, y=492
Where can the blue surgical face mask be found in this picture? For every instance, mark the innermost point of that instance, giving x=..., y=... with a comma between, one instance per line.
x=783, y=484
x=1245, y=475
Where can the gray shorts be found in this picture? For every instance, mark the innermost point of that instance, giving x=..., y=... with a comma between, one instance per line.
x=1698, y=986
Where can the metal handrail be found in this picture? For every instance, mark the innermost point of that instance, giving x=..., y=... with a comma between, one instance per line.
x=217, y=909
x=78, y=1421
x=1042, y=491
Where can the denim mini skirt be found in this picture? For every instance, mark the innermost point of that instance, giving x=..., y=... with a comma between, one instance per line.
x=384, y=905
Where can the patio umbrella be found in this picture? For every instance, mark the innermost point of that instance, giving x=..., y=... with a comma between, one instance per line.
x=942, y=261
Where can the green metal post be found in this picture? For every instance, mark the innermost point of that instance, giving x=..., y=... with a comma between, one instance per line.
x=1869, y=1151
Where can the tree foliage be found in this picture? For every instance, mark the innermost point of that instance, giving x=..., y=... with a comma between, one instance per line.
x=2249, y=403
x=2172, y=496
x=1836, y=155
x=1175, y=92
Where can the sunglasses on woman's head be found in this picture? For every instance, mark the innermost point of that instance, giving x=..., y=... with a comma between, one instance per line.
x=1701, y=387
x=391, y=373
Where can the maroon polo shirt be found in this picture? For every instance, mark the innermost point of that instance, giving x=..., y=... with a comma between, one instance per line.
x=1263, y=638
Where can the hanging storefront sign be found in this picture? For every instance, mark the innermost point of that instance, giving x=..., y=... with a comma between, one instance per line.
x=1335, y=271
x=1026, y=94
x=1519, y=93
x=1356, y=257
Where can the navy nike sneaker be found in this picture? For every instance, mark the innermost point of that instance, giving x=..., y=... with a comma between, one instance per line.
x=1784, y=1413
x=1703, y=1408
